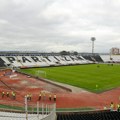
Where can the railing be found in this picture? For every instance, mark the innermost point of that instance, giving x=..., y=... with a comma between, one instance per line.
x=51, y=115
x=41, y=112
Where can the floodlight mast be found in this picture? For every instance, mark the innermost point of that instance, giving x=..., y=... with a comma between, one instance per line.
x=93, y=39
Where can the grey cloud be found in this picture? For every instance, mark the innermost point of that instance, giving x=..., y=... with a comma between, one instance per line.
x=55, y=25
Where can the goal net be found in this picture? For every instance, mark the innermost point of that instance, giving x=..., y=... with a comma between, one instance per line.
x=41, y=73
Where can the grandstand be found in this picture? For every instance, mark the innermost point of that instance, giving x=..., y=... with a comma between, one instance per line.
x=2, y=63
x=26, y=60
x=111, y=58
x=96, y=115
x=21, y=60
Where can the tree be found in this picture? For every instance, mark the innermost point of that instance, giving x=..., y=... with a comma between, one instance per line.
x=65, y=52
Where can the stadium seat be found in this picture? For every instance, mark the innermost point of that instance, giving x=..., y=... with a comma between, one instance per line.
x=114, y=115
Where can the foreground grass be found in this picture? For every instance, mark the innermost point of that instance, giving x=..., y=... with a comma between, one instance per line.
x=90, y=77
x=75, y=109
x=30, y=109
x=21, y=109
x=8, y=107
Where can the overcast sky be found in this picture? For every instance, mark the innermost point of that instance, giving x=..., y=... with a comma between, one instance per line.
x=56, y=25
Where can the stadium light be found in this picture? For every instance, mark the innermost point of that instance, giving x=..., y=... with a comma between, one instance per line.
x=93, y=39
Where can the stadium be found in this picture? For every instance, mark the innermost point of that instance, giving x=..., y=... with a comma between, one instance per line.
x=59, y=60
x=53, y=86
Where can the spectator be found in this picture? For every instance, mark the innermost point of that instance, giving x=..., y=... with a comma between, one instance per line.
x=39, y=98
x=7, y=94
x=30, y=97
x=3, y=93
x=111, y=106
x=118, y=107
x=54, y=97
x=14, y=95
x=105, y=108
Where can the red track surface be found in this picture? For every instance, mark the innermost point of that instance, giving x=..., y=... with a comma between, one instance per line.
x=23, y=85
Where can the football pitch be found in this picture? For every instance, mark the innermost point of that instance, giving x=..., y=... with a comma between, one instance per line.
x=94, y=77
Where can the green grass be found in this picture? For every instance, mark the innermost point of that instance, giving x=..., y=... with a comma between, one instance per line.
x=30, y=109
x=8, y=107
x=75, y=109
x=17, y=108
x=82, y=76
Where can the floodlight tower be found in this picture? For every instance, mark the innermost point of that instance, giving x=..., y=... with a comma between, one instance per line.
x=93, y=39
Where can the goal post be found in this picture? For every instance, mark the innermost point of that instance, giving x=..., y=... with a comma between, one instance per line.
x=41, y=73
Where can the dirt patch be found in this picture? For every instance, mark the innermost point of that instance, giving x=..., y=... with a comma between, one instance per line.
x=24, y=82
x=73, y=88
x=75, y=99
